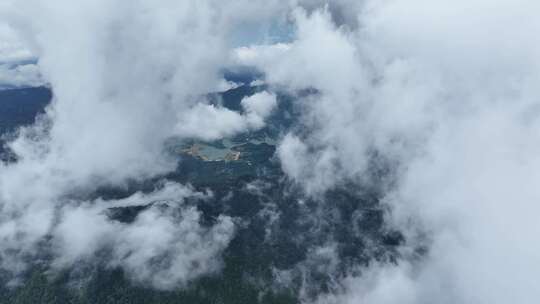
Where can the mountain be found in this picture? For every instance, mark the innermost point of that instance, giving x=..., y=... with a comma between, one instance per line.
x=278, y=227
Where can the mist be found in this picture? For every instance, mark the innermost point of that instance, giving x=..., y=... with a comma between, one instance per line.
x=124, y=76
x=444, y=94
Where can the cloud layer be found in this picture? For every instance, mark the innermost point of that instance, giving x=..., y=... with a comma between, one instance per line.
x=431, y=89
x=123, y=76
x=17, y=67
x=444, y=93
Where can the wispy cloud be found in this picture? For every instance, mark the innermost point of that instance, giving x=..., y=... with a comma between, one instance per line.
x=443, y=93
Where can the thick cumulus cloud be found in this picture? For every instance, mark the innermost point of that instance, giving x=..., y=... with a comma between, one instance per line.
x=11, y=47
x=445, y=92
x=146, y=72
x=20, y=75
x=210, y=122
x=122, y=75
x=17, y=67
x=165, y=246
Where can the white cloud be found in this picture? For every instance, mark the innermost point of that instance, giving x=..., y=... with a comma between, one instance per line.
x=209, y=122
x=12, y=48
x=225, y=85
x=123, y=74
x=258, y=107
x=261, y=104
x=15, y=67
x=452, y=106
x=188, y=250
x=444, y=91
x=253, y=55
x=168, y=231
x=26, y=75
